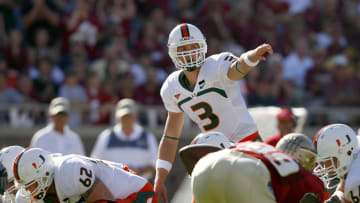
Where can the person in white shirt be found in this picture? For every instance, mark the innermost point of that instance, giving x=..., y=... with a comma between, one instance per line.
x=127, y=142
x=297, y=63
x=57, y=137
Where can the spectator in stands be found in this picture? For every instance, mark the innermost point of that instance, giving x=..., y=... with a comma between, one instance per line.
x=56, y=73
x=341, y=91
x=3, y=64
x=76, y=94
x=263, y=95
x=150, y=42
x=57, y=137
x=139, y=69
x=184, y=10
x=98, y=98
x=79, y=68
x=126, y=86
x=148, y=93
x=26, y=89
x=16, y=53
x=3, y=34
x=8, y=95
x=127, y=142
x=40, y=14
x=6, y=14
x=44, y=82
x=286, y=124
x=83, y=24
x=43, y=48
x=110, y=65
x=297, y=63
x=318, y=78
x=121, y=17
x=34, y=113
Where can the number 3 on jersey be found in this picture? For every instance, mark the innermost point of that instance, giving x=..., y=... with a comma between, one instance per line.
x=207, y=114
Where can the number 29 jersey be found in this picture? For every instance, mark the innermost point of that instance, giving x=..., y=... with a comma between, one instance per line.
x=215, y=103
x=75, y=175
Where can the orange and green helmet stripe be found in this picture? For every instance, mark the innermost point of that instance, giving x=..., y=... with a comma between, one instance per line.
x=184, y=30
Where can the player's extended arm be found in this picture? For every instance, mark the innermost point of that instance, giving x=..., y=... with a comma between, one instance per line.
x=248, y=61
x=167, y=150
x=97, y=192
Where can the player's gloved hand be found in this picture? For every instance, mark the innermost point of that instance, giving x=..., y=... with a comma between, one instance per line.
x=333, y=199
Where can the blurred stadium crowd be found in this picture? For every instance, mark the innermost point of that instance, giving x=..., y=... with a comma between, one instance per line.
x=95, y=52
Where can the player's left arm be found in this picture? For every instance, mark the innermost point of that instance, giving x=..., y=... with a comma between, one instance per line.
x=98, y=192
x=248, y=61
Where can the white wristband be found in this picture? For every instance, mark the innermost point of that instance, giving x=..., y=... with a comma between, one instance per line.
x=248, y=62
x=163, y=164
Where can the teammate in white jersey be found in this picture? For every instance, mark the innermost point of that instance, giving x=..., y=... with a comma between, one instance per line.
x=338, y=162
x=75, y=178
x=207, y=90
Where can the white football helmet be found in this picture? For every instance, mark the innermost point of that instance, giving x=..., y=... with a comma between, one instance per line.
x=336, y=146
x=214, y=138
x=300, y=147
x=34, y=166
x=7, y=158
x=184, y=34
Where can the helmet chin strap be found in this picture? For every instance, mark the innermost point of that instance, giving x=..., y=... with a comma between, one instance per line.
x=191, y=69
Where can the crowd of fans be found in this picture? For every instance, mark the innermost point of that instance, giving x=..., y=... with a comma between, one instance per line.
x=95, y=52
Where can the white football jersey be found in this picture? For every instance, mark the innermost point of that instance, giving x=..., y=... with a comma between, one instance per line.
x=352, y=182
x=75, y=174
x=215, y=103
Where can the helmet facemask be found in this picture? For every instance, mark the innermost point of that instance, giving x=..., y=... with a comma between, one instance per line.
x=330, y=170
x=10, y=192
x=188, y=60
x=34, y=170
x=37, y=188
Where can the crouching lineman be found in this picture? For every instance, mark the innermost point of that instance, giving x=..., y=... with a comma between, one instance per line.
x=75, y=178
x=338, y=162
x=248, y=172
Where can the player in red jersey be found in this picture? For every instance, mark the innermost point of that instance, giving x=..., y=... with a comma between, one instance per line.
x=248, y=172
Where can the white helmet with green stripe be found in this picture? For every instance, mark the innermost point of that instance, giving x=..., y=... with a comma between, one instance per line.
x=184, y=34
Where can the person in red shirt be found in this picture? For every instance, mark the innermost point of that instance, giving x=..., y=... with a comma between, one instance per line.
x=248, y=172
x=286, y=124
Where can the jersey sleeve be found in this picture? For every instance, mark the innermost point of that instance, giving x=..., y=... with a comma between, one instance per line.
x=168, y=98
x=74, y=177
x=225, y=60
